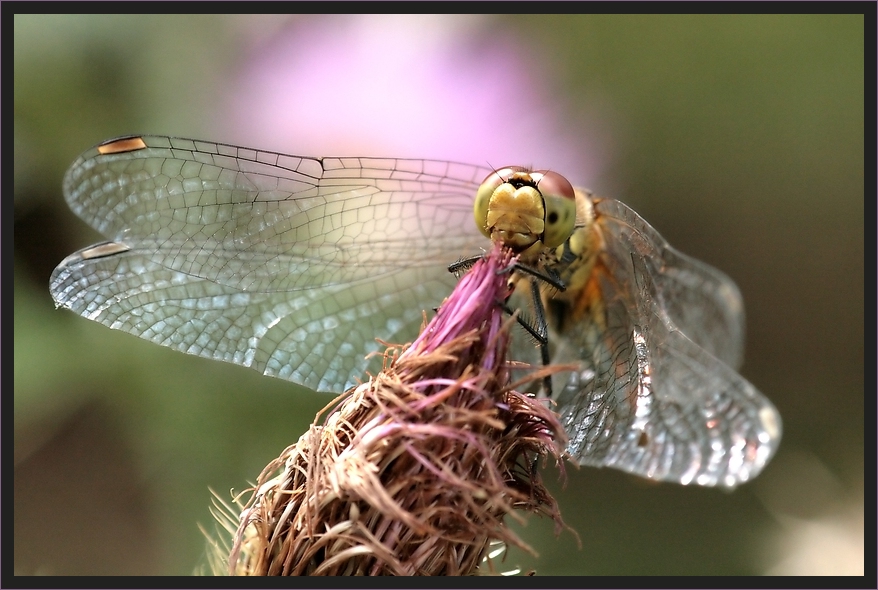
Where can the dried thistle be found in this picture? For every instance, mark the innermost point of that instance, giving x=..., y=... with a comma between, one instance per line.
x=414, y=472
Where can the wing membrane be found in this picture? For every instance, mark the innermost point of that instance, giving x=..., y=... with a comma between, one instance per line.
x=699, y=300
x=650, y=399
x=289, y=265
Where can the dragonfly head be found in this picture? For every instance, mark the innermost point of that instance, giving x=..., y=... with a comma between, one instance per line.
x=526, y=209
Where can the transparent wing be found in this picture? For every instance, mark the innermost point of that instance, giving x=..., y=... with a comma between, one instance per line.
x=700, y=301
x=292, y=266
x=653, y=397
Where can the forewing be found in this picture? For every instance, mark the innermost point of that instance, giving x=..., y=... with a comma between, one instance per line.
x=289, y=265
x=649, y=399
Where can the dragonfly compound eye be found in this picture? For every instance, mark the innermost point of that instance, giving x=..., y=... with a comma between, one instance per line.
x=559, y=200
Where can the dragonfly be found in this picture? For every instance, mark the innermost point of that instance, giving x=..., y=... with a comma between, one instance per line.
x=298, y=267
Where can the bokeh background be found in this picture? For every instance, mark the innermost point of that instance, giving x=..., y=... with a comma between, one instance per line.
x=740, y=138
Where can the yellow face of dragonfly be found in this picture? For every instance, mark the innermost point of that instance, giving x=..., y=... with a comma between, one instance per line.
x=526, y=211
x=294, y=266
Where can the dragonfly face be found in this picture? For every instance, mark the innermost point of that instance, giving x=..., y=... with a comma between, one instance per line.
x=293, y=266
x=528, y=211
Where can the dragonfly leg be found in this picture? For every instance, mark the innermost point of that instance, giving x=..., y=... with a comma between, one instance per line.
x=542, y=329
x=538, y=328
x=547, y=275
x=464, y=264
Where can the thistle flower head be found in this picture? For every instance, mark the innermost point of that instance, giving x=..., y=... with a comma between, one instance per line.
x=415, y=471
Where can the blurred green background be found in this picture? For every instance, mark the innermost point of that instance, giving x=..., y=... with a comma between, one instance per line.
x=740, y=138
